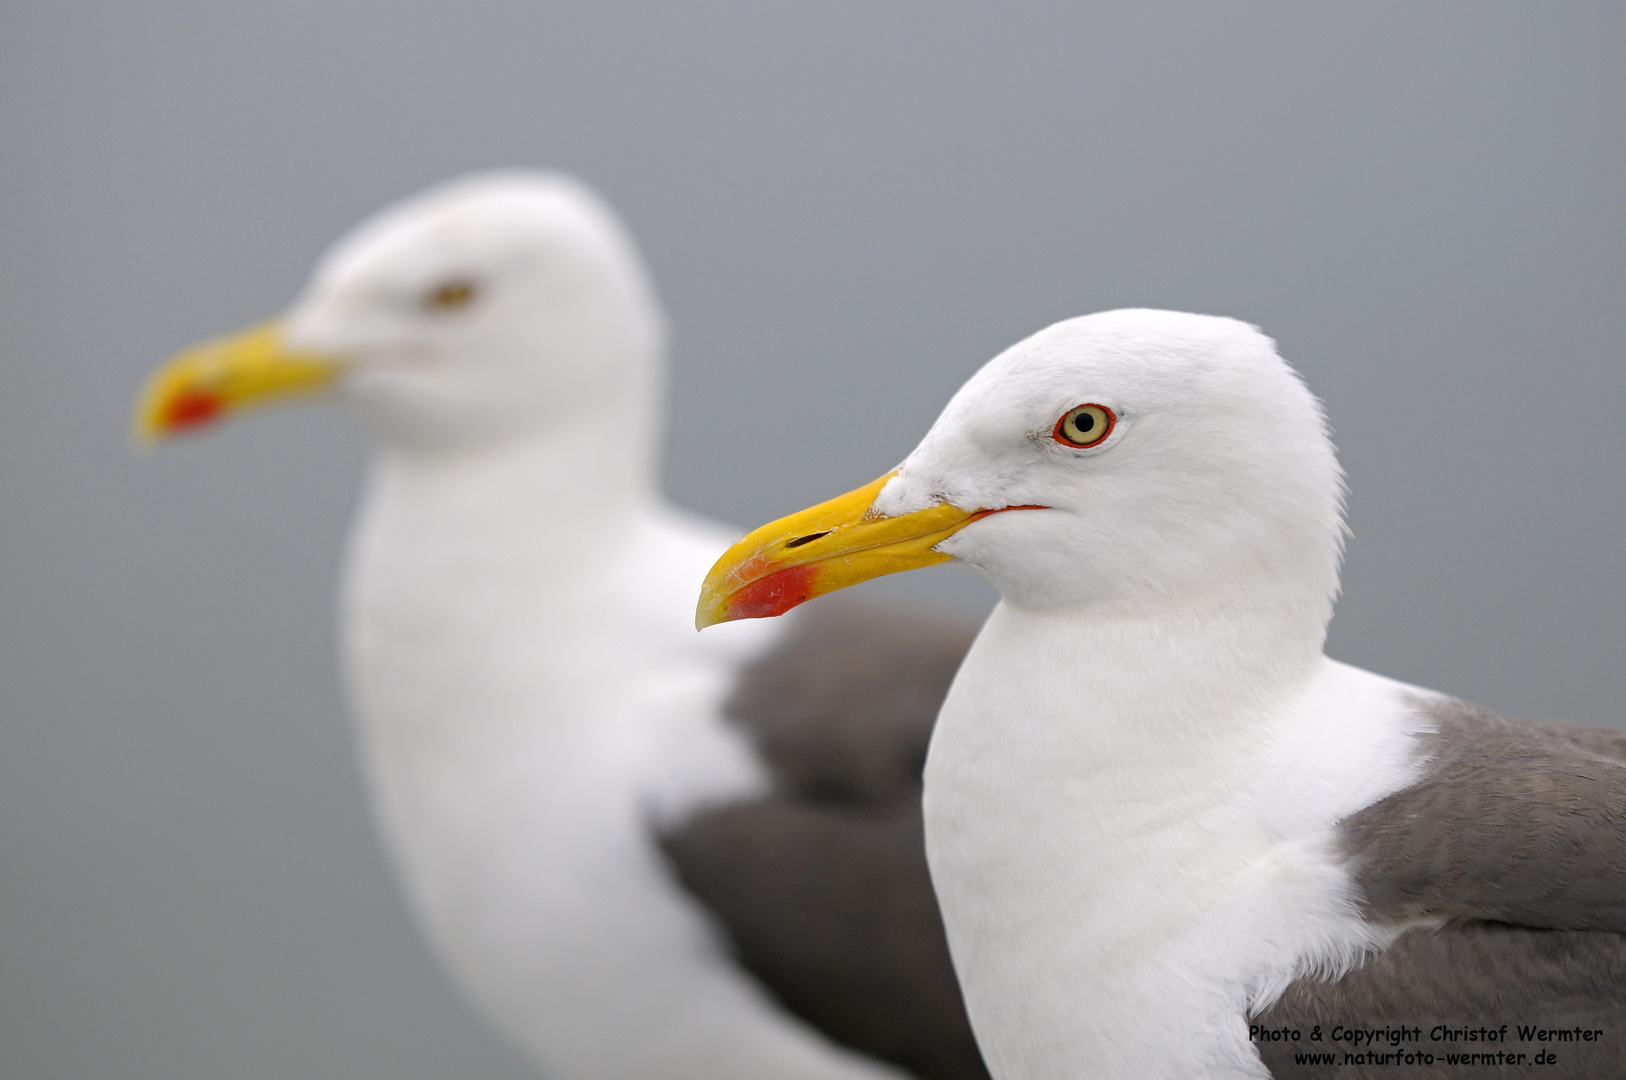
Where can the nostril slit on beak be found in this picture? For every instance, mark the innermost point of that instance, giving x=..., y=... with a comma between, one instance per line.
x=808, y=539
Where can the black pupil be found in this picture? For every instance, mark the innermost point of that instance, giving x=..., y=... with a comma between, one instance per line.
x=1083, y=422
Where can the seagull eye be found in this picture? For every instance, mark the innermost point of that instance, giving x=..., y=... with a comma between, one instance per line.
x=1086, y=425
x=451, y=295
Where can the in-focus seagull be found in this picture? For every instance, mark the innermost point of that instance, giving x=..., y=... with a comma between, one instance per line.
x=1170, y=837
x=642, y=854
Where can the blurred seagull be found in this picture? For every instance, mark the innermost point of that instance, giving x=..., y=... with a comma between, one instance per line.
x=642, y=854
x=1171, y=838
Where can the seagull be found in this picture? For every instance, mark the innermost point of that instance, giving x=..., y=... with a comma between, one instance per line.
x=1171, y=838
x=639, y=853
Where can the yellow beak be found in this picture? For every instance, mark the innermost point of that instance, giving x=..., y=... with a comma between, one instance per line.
x=822, y=549
x=210, y=381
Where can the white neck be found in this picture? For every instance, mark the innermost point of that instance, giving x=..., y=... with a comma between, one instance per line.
x=549, y=486
x=1129, y=826
x=461, y=563
x=529, y=693
x=1157, y=671
x=482, y=584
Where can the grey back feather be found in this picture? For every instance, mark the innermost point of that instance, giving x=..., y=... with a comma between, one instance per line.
x=1516, y=836
x=1466, y=975
x=822, y=886
x=1515, y=821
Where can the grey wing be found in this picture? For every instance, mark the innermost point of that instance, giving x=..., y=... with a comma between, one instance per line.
x=822, y=886
x=833, y=912
x=1516, y=836
x=1568, y=984
x=843, y=710
x=1515, y=821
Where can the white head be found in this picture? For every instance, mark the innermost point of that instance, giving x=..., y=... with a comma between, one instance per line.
x=1206, y=475
x=486, y=309
x=1217, y=465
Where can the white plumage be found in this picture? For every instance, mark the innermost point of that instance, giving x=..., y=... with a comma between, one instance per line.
x=1132, y=789
x=533, y=705
x=1156, y=812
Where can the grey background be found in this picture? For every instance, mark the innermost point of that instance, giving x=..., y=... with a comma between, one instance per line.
x=847, y=207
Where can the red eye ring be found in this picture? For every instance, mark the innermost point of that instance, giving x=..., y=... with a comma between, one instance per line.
x=1099, y=422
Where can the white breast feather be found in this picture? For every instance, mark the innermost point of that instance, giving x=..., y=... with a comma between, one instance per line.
x=1144, y=893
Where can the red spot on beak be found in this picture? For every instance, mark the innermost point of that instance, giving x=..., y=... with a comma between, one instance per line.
x=775, y=594
x=192, y=408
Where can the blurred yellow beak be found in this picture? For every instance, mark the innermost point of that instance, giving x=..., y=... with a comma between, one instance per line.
x=822, y=549
x=210, y=381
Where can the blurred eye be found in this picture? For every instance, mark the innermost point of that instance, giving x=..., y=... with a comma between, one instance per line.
x=451, y=295
x=1085, y=425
